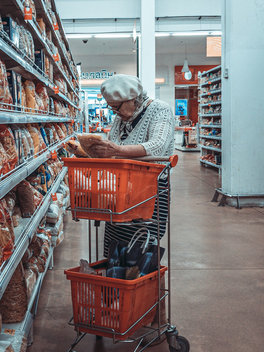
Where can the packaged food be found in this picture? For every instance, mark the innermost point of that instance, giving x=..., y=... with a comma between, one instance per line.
x=42, y=25
x=59, y=131
x=14, y=301
x=87, y=140
x=4, y=167
x=30, y=95
x=75, y=148
x=30, y=278
x=30, y=141
x=25, y=197
x=11, y=28
x=8, y=142
x=53, y=214
x=43, y=94
x=40, y=59
x=16, y=216
x=39, y=103
x=35, y=138
x=10, y=199
x=15, y=87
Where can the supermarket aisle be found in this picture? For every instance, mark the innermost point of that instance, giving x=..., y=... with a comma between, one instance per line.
x=218, y=274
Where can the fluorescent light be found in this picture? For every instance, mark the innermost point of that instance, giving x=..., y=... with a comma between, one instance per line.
x=113, y=35
x=91, y=82
x=159, y=80
x=196, y=33
x=162, y=34
x=78, y=36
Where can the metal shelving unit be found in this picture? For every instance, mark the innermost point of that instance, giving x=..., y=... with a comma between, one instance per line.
x=209, y=119
x=24, y=170
x=11, y=117
x=24, y=234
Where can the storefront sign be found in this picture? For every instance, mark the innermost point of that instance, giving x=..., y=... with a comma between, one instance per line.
x=103, y=74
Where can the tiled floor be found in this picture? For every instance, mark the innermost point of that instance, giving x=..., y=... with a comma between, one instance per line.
x=217, y=273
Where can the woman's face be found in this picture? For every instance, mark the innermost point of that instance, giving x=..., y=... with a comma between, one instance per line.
x=125, y=110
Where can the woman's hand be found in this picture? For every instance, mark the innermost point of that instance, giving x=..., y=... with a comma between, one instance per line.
x=104, y=149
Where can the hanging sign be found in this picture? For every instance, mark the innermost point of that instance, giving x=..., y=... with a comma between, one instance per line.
x=27, y=13
x=103, y=74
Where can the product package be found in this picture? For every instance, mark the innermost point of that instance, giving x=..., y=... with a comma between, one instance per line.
x=15, y=87
x=25, y=197
x=8, y=142
x=40, y=59
x=11, y=28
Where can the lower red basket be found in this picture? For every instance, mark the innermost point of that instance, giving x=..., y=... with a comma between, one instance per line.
x=112, y=304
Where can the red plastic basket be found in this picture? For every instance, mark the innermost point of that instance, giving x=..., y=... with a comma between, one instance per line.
x=112, y=305
x=112, y=185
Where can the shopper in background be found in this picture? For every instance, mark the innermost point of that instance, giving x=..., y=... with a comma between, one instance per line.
x=142, y=127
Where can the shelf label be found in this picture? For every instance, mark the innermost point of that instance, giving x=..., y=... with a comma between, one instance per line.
x=56, y=26
x=53, y=154
x=72, y=122
x=27, y=13
x=56, y=57
x=56, y=89
x=54, y=197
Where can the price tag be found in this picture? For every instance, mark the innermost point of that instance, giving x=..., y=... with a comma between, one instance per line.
x=27, y=13
x=10, y=332
x=56, y=26
x=56, y=57
x=54, y=197
x=53, y=154
x=209, y=82
x=209, y=105
x=72, y=122
x=56, y=89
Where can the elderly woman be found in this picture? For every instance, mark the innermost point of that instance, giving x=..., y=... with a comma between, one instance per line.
x=142, y=127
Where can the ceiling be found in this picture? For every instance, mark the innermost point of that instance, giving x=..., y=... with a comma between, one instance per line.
x=125, y=46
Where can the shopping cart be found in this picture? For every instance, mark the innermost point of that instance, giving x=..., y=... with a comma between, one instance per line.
x=120, y=191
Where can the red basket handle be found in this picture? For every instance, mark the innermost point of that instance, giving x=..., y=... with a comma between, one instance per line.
x=173, y=159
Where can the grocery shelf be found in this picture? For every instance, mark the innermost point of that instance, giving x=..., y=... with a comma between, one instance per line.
x=27, y=70
x=25, y=325
x=210, y=148
x=212, y=126
x=214, y=69
x=24, y=170
x=211, y=103
x=24, y=237
x=211, y=92
x=211, y=164
x=210, y=137
x=219, y=114
x=211, y=81
x=11, y=117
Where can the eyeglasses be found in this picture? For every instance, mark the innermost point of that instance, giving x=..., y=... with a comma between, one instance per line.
x=116, y=110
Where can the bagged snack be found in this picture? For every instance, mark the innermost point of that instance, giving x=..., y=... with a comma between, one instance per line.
x=30, y=141
x=30, y=95
x=87, y=140
x=53, y=214
x=25, y=197
x=75, y=148
x=43, y=94
x=59, y=131
x=8, y=142
x=17, y=215
x=25, y=145
x=4, y=166
x=10, y=199
x=14, y=301
x=35, y=138
x=39, y=103
x=30, y=278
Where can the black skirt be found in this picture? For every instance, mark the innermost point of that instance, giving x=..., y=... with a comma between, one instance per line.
x=125, y=233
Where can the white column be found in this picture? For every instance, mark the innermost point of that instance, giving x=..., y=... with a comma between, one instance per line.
x=243, y=97
x=147, y=47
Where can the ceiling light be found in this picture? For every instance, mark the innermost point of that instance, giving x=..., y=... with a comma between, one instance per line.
x=185, y=67
x=78, y=36
x=159, y=80
x=162, y=34
x=113, y=35
x=91, y=82
x=196, y=33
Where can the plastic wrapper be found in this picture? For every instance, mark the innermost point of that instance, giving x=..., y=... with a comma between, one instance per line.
x=30, y=278
x=8, y=142
x=75, y=148
x=64, y=190
x=53, y=213
x=14, y=301
x=16, y=216
x=4, y=166
x=30, y=91
x=36, y=138
x=30, y=141
x=5, y=96
x=25, y=196
x=56, y=240
x=60, y=132
x=61, y=84
x=59, y=201
x=55, y=229
x=10, y=199
x=44, y=135
x=42, y=26
x=43, y=94
x=7, y=218
x=39, y=104
x=25, y=145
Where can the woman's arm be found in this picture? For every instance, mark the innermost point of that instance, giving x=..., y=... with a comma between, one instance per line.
x=107, y=149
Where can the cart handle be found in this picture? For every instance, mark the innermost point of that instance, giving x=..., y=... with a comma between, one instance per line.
x=173, y=159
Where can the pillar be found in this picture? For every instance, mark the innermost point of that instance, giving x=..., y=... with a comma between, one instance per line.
x=147, y=66
x=243, y=97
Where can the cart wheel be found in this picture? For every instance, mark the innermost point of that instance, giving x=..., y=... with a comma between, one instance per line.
x=183, y=345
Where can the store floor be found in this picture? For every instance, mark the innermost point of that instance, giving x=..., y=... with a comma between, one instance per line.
x=217, y=273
